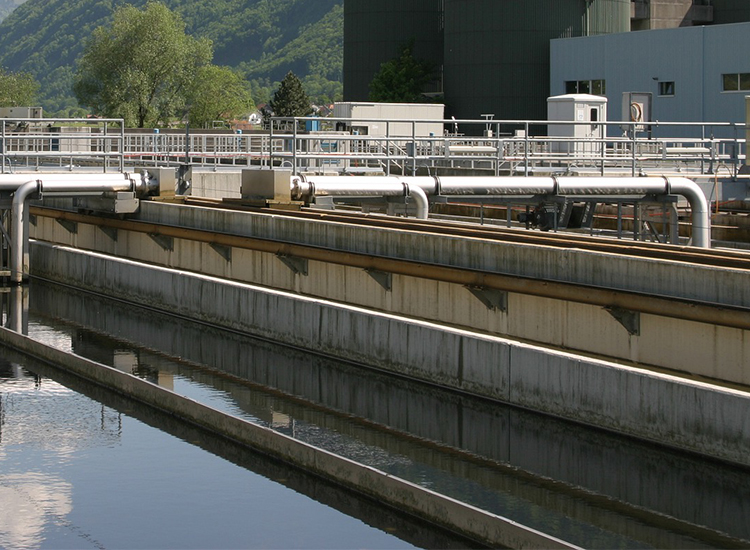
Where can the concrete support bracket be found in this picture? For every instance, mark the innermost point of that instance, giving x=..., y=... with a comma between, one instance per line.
x=297, y=265
x=167, y=243
x=110, y=232
x=382, y=278
x=32, y=219
x=70, y=227
x=493, y=299
x=223, y=251
x=631, y=320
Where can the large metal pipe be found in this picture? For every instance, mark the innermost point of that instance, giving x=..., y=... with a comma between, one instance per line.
x=356, y=186
x=602, y=186
x=451, y=186
x=334, y=186
x=699, y=207
x=59, y=185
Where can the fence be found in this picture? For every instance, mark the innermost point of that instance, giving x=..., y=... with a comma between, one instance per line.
x=520, y=147
x=61, y=142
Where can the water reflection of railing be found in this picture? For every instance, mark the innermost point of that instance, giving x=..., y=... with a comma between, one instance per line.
x=483, y=443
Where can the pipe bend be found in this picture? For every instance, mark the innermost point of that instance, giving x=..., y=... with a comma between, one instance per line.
x=420, y=198
x=18, y=252
x=699, y=206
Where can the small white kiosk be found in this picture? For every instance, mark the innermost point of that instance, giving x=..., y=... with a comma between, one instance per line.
x=584, y=114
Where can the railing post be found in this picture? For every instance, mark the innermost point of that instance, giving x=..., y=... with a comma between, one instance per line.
x=294, y=146
x=388, y=147
x=736, y=154
x=270, y=144
x=413, y=147
x=633, y=156
x=498, y=149
x=526, y=149
x=603, y=137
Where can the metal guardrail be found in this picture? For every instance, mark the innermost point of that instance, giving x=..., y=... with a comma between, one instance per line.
x=517, y=147
x=54, y=141
x=509, y=146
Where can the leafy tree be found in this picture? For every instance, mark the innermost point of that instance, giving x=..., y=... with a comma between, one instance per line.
x=217, y=93
x=402, y=79
x=290, y=99
x=139, y=68
x=17, y=89
x=263, y=39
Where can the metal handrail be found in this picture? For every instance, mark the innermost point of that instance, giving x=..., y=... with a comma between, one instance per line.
x=34, y=138
x=507, y=146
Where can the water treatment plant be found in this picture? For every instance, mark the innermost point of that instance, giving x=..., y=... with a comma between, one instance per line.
x=320, y=338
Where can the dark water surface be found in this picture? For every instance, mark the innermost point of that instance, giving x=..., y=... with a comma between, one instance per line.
x=83, y=468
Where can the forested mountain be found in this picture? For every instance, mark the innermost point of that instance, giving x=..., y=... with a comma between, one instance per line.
x=263, y=39
x=7, y=6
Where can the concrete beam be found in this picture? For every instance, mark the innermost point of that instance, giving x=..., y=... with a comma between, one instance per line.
x=671, y=411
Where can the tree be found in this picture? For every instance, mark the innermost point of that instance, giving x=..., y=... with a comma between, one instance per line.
x=217, y=93
x=139, y=68
x=290, y=99
x=17, y=89
x=402, y=79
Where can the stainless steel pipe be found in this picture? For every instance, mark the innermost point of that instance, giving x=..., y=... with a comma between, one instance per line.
x=460, y=186
x=59, y=185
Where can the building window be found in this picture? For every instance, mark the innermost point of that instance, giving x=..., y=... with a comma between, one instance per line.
x=736, y=82
x=596, y=87
x=666, y=88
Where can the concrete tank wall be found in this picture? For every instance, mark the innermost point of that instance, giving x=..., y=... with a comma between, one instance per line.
x=669, y=410
x=538, y=444
x=468, y=521
x=701, y=349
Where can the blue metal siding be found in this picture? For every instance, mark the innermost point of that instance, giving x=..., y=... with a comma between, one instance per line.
x=694, y=58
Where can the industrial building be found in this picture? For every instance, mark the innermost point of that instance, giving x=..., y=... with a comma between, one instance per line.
x=692, y=74
x=493, y=57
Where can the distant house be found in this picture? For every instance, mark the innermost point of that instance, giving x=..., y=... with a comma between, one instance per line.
x=324, y=110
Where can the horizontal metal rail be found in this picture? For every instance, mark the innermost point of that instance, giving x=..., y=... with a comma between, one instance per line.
x=54, y=140
x=497, y=146
x=689, y=310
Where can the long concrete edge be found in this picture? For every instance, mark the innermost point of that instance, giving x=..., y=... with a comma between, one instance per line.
x=452, y=514
x=672, y=411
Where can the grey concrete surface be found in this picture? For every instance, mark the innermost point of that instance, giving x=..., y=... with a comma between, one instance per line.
x=697, y=348
x=468, y=520
x=694, y=282
x=669, y=410
x=630, y=472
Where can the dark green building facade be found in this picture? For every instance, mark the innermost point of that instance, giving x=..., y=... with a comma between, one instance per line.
x=493, y=54
x=374, y=31
x=731, y=11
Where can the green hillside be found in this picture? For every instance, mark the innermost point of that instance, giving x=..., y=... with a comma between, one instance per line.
x=7, y=6
x=264, y=39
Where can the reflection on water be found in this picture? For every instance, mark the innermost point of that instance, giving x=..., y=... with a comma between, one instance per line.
x=81, y=467
x=584, y=486
x=31, y=500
